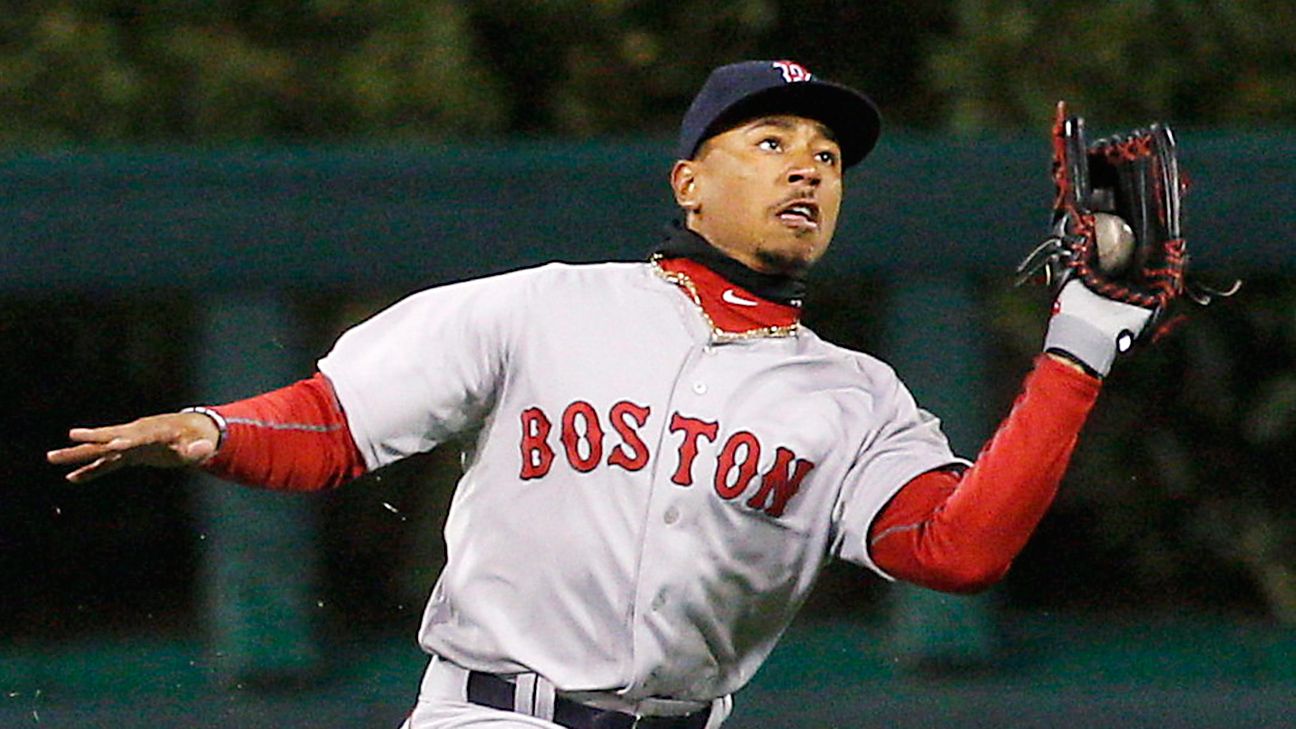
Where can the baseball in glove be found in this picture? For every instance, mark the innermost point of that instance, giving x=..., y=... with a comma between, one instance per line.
x=1116, y=230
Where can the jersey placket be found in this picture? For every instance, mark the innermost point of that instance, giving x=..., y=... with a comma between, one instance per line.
x=679, y=491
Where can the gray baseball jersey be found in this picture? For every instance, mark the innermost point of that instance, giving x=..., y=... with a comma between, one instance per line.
x=645, y=505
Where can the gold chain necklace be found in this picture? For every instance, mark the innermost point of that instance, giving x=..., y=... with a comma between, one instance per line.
x=717, y=334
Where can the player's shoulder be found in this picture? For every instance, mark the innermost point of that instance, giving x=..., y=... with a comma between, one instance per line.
x=558, y=289
x=532, y=280
x=560, y=279
x=561, y=271
x=851, y=361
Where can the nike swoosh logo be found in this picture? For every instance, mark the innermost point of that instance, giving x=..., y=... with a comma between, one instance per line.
x=730, y=297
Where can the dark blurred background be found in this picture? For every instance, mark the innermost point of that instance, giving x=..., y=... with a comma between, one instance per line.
x=1166, y=572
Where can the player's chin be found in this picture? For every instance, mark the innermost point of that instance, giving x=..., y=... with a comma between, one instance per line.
x=788, y=260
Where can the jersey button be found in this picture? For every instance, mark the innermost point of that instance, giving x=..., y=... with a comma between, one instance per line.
x=699, y=388
x=671, y=516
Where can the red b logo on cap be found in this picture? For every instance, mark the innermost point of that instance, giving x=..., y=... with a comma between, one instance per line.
x=792, y=71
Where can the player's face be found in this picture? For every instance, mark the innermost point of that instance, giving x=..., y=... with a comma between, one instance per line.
x=766, y=192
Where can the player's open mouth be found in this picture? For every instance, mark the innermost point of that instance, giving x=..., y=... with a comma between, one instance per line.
x=800, y=214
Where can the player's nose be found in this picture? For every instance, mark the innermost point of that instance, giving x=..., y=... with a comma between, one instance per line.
x=804, y=172
x=802, y=168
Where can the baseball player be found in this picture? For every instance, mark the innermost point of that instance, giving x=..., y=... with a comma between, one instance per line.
x=662, y=457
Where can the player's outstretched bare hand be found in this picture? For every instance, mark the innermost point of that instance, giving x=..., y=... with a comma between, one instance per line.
x=166, y=441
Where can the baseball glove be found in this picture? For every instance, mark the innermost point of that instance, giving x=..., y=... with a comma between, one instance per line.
x=1116, y=221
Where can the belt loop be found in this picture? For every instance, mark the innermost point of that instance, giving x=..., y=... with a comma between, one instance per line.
x=533, y=695
x=524, y=693
x=720, y=710
x=545, y=696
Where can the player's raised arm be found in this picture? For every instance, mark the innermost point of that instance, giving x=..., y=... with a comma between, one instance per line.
x=170, y=440
x=1116, y=260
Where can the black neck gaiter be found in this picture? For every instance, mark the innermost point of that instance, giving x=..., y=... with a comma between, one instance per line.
x=680, y=242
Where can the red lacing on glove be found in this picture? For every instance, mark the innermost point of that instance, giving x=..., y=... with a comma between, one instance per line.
x=1166, y=281
x=1118, y=151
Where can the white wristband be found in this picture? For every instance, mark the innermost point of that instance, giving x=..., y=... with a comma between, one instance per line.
x=222, y=427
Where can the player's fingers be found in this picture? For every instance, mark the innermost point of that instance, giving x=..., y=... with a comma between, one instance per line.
x=75, y=454
x=98, y=435
x=151, y=429
x=165, y=441
x=100, y=467
x=142, y=432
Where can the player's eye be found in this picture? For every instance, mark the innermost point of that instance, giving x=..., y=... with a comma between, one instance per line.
x=770, y=144
x=827, y=157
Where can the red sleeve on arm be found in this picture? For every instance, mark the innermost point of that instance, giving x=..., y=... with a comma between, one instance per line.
x=292, y=439
x=960, y=533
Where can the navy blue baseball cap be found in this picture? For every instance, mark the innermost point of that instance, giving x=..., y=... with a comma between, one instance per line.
x=741, y=91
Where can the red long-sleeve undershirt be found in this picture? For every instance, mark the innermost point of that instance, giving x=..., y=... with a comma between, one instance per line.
x=960, y=532
x=291, y=439
x=950, y=531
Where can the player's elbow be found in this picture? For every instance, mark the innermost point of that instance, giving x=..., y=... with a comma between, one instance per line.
x=958, y=567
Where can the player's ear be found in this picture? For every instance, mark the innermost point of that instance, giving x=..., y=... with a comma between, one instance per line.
x=684, y=184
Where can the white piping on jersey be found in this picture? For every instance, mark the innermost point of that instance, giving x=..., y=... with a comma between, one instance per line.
x=283, y=426
x=898, y=530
